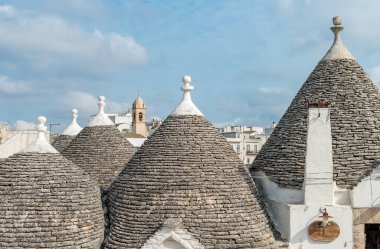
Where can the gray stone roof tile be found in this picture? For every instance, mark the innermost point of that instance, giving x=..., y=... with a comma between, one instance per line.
x=355, y=126
x=48, y=202
x=61, y=142
x=101, y=151
x=186, y=170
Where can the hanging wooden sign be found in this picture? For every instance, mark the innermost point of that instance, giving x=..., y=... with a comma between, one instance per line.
x=327, y=233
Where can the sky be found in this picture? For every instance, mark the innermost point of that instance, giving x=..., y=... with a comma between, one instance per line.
x=247, y=58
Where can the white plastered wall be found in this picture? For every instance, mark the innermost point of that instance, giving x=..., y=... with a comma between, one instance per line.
x=276, y=200
x=292, y=211
x=367, y=193
x=18, y=142
x=301, y=216
x=172, y=235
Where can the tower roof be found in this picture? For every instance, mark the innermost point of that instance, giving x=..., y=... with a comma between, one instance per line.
x=47, y=196
x=63, y=140
x=187, y=172
x=355, y=122
x=139, y=102
x=100, y=148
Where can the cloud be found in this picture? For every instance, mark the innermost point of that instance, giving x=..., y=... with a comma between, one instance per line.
x=24, y=125
x=87, y=104
x=7, y=10
x=48, y=43
x=10, y=87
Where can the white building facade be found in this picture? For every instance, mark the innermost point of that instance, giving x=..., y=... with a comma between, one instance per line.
x=245, y=140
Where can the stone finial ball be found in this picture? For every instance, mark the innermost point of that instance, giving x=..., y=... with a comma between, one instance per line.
x=101, y=98
x=41, y=120
x=186, y=79
x=337, y=20
x=74, y=111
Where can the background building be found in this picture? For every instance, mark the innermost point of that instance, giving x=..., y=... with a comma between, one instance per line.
x=246, y=140
x=133, y=123
x=139, y=117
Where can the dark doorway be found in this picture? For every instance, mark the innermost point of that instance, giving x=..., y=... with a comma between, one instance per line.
x=372, y=236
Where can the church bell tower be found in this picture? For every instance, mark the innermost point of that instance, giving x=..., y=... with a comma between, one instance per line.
x=139, y=117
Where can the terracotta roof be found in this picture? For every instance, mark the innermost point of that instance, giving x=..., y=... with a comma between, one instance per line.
x=355, y=124
x=187, y=171
x=48, y=202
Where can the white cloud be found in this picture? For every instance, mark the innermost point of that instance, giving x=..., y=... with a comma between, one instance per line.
x=11, y=87
x=87, y=104
x=7, y=10
x=51, y=43
x=24, y=125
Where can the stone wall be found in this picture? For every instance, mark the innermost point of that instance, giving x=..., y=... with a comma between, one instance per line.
x=362, y=216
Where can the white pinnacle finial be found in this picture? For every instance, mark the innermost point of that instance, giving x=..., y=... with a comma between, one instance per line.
x=337, y=50
x=186, y=107
x=186, y=80
x=101, y=103
x=74, y=113
x=101, y=118
x=73, y=129
x=40, y=145
x=41, y=124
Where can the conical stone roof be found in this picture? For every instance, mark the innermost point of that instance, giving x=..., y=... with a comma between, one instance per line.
x=63, y=140
x=187, y=171
x=47, y=201
x=355, y=123
x=100, y=149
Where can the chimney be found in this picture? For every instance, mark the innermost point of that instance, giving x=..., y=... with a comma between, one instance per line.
x=318, y=183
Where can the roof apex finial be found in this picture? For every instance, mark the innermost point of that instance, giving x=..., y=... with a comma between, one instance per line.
x=41, y=124
x=40, y=145
x=186, y=107
x=337, y=28
x=101, y=118
x=74, y=114
x=337, y=20
x=73, y=128
x=101, y=103
x=337, y=50
x=186, y=80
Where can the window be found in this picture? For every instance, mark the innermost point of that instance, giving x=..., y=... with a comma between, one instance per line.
x=247, y=160
x=238, y=148
x=248, y=147
x=255, y=148
x=140, y=116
